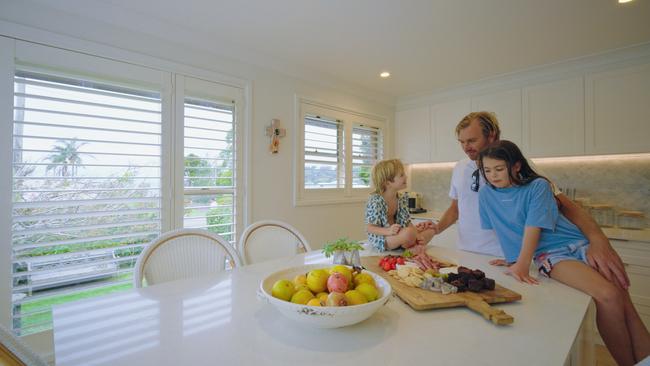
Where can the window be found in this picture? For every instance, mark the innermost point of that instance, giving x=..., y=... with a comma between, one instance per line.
x=324, y=153
x=366, y=151
x=210, y=157
x=209, y=167
x=337, y=149
x=103, y=157
x=86, y=189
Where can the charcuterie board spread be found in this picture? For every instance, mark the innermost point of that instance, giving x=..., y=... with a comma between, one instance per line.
x=422, y=299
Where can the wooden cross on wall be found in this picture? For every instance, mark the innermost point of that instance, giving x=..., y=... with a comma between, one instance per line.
x=275, y=132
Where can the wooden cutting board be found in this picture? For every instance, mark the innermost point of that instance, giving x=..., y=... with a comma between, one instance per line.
x=420, y=299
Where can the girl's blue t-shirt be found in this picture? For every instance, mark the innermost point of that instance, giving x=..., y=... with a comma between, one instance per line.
x=509, y=210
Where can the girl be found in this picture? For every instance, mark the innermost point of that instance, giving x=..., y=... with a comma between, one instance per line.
x=387, y=215
x=519, y=206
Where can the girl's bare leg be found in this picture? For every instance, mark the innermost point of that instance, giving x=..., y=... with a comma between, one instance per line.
x=610, y=306
x=638, y=331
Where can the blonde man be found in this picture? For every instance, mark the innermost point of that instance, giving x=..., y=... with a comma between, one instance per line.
x=387, y=216
x=476, y=131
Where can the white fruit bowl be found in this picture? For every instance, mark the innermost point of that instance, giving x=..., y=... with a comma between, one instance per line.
x=323, y=316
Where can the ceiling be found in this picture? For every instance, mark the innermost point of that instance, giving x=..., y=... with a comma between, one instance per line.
x=426, y=45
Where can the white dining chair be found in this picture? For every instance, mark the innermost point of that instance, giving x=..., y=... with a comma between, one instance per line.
x=13, y=351
x=183, y=253
x=270, y=239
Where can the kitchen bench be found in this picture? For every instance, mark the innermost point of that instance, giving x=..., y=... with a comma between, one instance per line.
x=219, y=320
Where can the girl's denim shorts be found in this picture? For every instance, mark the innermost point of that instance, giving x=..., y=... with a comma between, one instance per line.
x=572, y=252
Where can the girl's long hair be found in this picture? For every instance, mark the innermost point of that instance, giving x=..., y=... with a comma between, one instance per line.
x=507, y=151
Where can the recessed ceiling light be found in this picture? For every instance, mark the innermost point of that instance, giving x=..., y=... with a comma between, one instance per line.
x=385, y=74
x=624, y=1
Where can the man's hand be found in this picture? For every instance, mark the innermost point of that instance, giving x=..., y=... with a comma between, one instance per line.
x=600, y=254
x=602, y=257
x=424, y=225
x=521, y=272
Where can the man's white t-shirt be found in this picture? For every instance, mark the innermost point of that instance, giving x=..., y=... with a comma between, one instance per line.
x=470, y=235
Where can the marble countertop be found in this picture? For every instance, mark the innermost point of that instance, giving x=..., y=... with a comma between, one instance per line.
x=219, y=320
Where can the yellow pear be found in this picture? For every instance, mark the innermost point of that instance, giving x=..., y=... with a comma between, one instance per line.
x=355, y=297
x=283, y=290
x=315, y=302
x=322, y=296
x=317, y=280
x=369, y=291
x=300, y=279
x=363, y=278
x=302, y=297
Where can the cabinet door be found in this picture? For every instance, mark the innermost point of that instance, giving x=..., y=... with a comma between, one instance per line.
x=412, y=131
x=507, y=106
x=553, y=119
x=445, y=117
x=617, y=110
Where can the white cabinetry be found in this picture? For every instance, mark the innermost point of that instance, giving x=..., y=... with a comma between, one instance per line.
x=507, y=106
x=444, y=118
x=600, y=112
x=553, y=118
x=413, y=131
x=617, y=111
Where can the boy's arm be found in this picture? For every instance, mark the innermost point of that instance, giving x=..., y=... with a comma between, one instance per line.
x=600, y=254
x=378, y=230
x=521, y=269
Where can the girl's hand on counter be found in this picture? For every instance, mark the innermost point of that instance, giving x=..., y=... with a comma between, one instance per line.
x=521, y=273
x=499, y=262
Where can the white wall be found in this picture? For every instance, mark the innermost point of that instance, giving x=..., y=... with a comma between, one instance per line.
x=273, y=96
x=272, y=174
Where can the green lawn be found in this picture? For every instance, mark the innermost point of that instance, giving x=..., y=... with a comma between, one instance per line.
x=43, y=321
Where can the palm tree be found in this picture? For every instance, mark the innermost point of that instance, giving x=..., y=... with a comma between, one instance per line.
x=65, y=157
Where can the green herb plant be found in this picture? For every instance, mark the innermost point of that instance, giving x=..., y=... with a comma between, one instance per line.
x=341, y=244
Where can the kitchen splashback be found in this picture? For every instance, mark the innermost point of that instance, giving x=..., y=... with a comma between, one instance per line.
x=623, y=182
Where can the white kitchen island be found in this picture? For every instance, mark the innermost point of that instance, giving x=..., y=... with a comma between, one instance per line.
x=219, y=320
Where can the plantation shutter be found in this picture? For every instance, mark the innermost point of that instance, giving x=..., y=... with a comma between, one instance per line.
x=366, y=151
x=86, y=188
x=210, y=167
x=324, y=153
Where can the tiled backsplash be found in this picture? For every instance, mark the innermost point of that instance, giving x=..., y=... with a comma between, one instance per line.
x=622, y=181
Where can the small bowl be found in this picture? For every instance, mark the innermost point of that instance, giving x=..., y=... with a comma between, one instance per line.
x=323, y=316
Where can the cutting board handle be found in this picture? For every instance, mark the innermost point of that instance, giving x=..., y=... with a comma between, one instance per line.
x=496, y=316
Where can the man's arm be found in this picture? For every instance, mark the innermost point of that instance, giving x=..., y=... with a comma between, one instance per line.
x=601, y=255
x=448, y=218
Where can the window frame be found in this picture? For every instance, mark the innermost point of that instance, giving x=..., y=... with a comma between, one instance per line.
x=349, y=119
x=46, y=59
x=188, y=86
x=145, y=72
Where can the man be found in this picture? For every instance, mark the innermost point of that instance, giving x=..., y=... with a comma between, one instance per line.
x=475, y=131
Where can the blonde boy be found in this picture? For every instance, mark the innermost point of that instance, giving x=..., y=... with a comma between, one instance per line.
x=387, y=216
